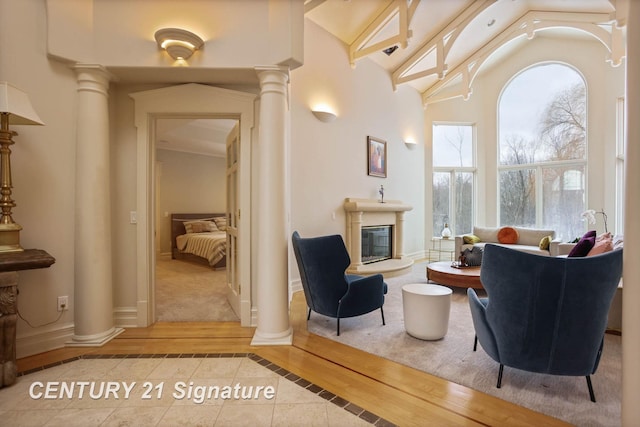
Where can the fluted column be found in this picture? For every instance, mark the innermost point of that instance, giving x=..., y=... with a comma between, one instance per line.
x=398, y=236
x=272, y=287
x=631, y=291
x=93, y=298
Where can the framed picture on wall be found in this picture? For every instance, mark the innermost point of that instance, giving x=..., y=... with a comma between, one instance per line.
x=376, y=157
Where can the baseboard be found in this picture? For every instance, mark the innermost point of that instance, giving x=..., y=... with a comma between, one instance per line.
x=40, y=342
x=125, y=317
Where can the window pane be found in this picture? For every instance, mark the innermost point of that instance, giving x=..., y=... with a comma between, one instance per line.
x=464, y=203
x=543, y=116
x=441, y=186
x=517, y=198
x=452, y=145
x=563, y=198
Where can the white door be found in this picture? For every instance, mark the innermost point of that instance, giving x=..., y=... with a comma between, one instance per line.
x=233, y=218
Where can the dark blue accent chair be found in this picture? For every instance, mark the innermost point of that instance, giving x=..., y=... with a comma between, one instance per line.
x=544, y=314
x=322, y=262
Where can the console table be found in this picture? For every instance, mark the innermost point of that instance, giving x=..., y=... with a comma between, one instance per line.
x=10, y=264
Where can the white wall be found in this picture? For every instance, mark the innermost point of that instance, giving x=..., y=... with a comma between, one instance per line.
x=189, y=183
x=329, y=160
x=604, y=85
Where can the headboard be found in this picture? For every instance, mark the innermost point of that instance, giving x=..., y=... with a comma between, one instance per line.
x=178, y=219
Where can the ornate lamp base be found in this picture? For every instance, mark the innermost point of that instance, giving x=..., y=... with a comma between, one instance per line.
x=10, y=238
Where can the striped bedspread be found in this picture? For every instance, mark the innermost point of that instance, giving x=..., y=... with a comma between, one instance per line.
x=210, y=246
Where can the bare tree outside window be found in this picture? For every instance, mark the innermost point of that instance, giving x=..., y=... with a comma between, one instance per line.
x=453, y=177
x=543, y=150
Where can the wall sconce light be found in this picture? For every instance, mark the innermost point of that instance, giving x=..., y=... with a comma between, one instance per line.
x=15, y=109
x=323, y=113
x=410, y=142
x=179, y=44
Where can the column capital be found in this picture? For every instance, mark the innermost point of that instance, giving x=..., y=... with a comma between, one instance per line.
x=272, y=74
x=93, y=77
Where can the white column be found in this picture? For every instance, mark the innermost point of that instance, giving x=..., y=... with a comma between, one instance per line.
x=631, y=292
x=272, y=287
x=93, y=300
x=355, y=248
x=398, y=236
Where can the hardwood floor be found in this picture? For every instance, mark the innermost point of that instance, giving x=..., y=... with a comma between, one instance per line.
x=397, y=393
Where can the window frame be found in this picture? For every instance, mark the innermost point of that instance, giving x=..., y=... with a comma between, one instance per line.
x=539, y=167
x=452, y=170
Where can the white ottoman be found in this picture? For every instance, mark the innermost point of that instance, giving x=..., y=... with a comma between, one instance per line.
x=426, y=310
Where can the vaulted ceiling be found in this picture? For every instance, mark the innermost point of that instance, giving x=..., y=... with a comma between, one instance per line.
x=434, y=45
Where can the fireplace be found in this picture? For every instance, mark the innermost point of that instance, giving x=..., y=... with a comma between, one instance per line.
x=376, y=243
x=374, y=236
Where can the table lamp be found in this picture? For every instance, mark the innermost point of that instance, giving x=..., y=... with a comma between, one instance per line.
x=15, y=109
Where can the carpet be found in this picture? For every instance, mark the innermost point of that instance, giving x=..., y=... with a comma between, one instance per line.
x=453, y=358
x=191, y=292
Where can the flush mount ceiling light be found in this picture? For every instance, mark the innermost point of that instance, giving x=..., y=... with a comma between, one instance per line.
x=179, y=44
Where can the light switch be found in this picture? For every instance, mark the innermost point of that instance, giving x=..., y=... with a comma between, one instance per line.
x=133, y=217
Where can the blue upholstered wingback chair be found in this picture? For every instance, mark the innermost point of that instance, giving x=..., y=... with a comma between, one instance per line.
x=544, y=314
x=322, y=262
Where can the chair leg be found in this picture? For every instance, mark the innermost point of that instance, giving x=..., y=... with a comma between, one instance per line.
x=500, y=376
x=338, y=326
x=591, y=394
x=475, y=343
x=309, y=314
x=382, y=312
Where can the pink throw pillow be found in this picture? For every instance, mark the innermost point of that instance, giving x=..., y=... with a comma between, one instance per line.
x=604, y=243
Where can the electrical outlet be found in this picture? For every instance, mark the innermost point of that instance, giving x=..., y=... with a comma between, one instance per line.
x=63, y=303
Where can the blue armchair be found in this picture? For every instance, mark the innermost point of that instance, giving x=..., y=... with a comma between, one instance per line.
x=544, y=314
x=322, y=262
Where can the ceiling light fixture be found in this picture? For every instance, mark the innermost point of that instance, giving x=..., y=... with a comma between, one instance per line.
x=179, y=43
x=390, y=50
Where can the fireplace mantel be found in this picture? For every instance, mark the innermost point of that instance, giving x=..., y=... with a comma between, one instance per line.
x=370, y=212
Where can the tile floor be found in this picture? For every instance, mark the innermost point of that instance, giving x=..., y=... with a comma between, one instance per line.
x=170, y=390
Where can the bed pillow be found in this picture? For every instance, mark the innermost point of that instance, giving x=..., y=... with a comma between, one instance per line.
x=200, y=227
x=221, y=222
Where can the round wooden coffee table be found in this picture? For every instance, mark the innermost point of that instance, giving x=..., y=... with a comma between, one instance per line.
x=444, y=274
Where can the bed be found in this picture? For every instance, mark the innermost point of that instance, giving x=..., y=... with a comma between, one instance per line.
x=199, y=237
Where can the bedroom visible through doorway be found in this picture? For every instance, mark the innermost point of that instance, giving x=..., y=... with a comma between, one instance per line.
x=191, y=205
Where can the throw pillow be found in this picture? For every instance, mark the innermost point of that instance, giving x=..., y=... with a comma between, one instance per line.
x=508, y=235
x=470, y=239
x=544, y=243
x=604, y=243
x=584, y=245
x=473, y=256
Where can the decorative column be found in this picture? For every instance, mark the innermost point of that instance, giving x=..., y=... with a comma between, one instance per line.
x=93, y=299
x=631, y=292
x=355, y=238
x=398, y=236
x=272, y=287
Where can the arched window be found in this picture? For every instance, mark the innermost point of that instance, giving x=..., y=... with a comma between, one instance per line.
x=543, y=149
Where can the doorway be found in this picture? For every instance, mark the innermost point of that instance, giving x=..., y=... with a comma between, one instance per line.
x=183, y=101
x=194, y=282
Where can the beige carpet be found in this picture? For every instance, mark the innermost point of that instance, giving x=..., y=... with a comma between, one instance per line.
x=187, y=291
x=453, y=358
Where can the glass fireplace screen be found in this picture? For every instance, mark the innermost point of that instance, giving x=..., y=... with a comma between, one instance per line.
x=376, y=243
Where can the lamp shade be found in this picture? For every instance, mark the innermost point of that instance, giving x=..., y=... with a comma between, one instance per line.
x=16, y=103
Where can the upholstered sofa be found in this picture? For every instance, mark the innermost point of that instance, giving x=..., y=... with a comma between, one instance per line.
x=527, y=240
